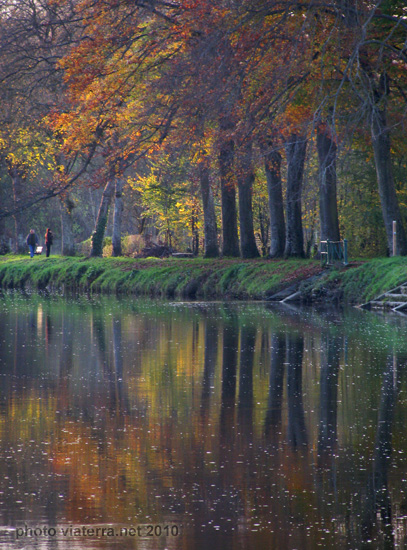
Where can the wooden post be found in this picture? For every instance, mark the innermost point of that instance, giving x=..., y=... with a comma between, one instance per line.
x=394, y=238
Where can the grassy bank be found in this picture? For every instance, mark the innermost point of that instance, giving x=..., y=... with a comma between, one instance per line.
x=359, y=282
x=203, y=279
x=169, y=278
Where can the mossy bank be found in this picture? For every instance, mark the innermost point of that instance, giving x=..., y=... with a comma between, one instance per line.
x=203, y=279
x=167, y=278
x=357, y=283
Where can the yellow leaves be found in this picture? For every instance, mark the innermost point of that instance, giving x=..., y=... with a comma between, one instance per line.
x=111, y=75
x=30, y=151
x=165, y=195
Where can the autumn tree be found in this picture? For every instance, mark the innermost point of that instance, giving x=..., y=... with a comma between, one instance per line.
x=272, y=166
x=245, y=181
x=34, y=36
x=362, y=81
x=227, y=86
x=211, y=248
x=327, y=175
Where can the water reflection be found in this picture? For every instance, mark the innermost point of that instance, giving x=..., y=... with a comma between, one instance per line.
x=272, y=426
x=328, y=400
x=244, y=426
x=378, y=505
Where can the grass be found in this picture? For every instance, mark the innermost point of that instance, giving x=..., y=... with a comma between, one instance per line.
x=203, y=278
x=171, y=278
x=362, y=281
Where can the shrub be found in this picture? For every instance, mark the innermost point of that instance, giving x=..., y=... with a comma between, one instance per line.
x=84, y=248
x=132, y=244
x=107, y=247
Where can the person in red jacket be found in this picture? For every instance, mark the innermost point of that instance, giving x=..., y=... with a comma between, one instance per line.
x=49, y=239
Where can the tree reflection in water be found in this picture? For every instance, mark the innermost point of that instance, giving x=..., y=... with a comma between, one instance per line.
x=378, y=506
x=328, y=404
x=242, y=423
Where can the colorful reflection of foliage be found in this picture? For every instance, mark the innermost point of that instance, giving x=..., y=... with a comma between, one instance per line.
x=136, y=417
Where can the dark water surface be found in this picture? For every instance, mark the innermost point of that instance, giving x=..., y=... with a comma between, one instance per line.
x=137, y=424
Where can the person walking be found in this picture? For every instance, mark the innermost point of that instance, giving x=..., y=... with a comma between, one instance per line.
x=49, y=239
x=32, y=241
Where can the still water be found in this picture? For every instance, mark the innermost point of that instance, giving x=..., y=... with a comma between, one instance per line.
x=153, y=425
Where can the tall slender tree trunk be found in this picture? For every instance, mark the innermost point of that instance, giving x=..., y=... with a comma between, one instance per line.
x=3, y=241
x=245, y=180
x=67, y=235
x=17, y=183
x=117, y=218
x=296, y=148
x=195, y=229
x=272, y=165
x=101, y=221
x=264, y=226
x=328, y=208
x=387, y=191
x=230, y=244
x=208, y=204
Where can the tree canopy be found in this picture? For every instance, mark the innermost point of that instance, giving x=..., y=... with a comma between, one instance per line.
x=283, y=96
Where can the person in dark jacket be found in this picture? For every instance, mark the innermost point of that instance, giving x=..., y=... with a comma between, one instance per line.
x=32, y=241
x=49, y=239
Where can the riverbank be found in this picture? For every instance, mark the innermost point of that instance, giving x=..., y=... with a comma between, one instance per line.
x=203, y=278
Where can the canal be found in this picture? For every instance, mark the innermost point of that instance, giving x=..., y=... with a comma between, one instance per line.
x=165, y=425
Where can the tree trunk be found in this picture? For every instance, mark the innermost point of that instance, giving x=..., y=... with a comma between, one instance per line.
x=264, y=226
x=17, y=183
x=195, y=230
x=99, y=232
x=67, y=240
x=387, y=191
x=117, y=218
x=210, y=226
x=272, y=165
x=3, y=240
x=296, y=148
x=328, y=208
x=245, y=180
x=230, y=244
